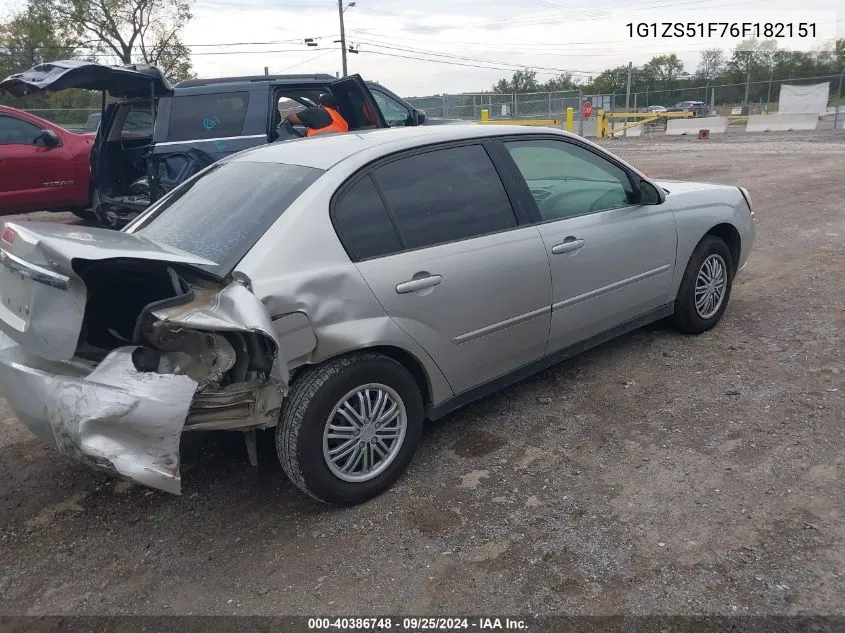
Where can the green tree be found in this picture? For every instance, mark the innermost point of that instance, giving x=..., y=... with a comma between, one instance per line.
x=561, y=83
x=524, y=80
x=608, y=81
x=30, y=37
x=663, y=71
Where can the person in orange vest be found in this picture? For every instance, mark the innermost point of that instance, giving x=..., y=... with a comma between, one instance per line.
x=322, y=118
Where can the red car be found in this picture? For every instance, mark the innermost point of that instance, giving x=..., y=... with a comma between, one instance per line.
x=43, y=167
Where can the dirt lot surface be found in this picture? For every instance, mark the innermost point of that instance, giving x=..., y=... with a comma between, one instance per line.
x=656, y=474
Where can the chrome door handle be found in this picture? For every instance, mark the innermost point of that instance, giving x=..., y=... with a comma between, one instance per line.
x=418, y=284
x=569, y=245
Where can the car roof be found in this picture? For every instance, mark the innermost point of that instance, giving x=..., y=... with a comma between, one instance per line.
x=252, y=79
x=326, y=151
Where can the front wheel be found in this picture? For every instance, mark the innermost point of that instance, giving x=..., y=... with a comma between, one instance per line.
x=705, y=288
x=349, y=427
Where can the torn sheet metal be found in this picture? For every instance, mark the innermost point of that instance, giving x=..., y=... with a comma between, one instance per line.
x=233, y=309
x=254, y=404
x=114, y=417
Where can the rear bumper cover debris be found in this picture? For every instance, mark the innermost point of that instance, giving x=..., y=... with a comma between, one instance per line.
x=111, y=416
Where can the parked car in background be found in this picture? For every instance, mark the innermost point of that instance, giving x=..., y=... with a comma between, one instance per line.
x=158, y=135
x=43, y=167
x=344, y=288
x=698, y=108
x=93, y=122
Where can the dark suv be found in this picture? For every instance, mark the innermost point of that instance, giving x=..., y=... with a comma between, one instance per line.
x=698, y=108
x=156, y=135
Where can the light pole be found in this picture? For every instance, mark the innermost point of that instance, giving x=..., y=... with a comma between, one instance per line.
x=340, y=12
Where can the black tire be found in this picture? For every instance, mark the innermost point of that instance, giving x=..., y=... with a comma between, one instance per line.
x=686, y=318
x=314, y=394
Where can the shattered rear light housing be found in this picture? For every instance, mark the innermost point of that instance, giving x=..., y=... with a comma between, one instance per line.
x=8, y=235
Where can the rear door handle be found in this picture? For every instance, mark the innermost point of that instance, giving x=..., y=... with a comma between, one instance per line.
x=418, y=284
x=569, y=245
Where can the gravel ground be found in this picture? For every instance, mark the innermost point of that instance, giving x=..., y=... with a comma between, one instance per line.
x=656, y=474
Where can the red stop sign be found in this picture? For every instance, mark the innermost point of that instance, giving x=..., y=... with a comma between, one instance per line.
x=587, y=110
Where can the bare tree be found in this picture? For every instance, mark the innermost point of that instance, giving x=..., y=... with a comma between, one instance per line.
x=132, y=31
x=711, y=65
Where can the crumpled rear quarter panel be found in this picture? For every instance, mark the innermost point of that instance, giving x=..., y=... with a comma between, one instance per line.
x=114, y=417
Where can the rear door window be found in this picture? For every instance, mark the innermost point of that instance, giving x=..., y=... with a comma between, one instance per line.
x=445, y=195
x=363, y=224
x=197, y=117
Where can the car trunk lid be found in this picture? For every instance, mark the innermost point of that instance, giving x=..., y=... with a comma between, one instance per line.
x=119, y=81
x=42, y=298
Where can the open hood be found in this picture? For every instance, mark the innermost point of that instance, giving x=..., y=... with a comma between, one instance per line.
x=119, y=81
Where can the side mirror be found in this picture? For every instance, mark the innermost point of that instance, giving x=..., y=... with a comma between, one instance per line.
x=48, y=138
x=419, y=117
x=649, y=194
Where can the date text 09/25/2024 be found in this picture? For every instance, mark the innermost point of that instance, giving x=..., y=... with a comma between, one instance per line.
x=721, y=29
x=415, y=624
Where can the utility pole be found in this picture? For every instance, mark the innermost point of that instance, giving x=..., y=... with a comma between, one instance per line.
x=748, y=84
x=628, y=96
x=342, y=36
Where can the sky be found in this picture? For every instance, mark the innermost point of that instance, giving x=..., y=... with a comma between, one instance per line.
x=420, y=48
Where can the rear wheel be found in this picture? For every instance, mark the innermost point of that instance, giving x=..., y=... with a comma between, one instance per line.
x=705, y=288
x=349, y=427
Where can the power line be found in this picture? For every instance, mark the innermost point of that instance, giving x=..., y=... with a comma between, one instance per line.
x=626, y=51
x=324, y=54
x=471, y=59
x=452, y=63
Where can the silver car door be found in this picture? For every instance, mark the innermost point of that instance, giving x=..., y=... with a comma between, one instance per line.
x=611, y=260
x=456, y=273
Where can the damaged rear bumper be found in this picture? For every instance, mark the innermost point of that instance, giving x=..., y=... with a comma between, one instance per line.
x=111, y=415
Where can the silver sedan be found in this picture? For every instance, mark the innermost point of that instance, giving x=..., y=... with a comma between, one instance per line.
x=345, y=288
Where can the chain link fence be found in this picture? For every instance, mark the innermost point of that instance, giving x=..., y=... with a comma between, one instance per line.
x=759, y=96
x=529, y=105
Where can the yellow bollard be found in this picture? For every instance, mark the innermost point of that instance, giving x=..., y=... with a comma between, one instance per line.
x=485, y=115
x=601, y=124
x=570, y=120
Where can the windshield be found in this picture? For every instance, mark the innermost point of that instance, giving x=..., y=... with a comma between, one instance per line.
x=222, y=214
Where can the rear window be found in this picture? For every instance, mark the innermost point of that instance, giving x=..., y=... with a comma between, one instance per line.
x=207, y=116
x=224, y=212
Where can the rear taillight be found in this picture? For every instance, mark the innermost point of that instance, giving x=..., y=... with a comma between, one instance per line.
x=8, y=235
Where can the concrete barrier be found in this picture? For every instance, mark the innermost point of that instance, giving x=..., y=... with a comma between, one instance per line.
x=716, y=125
x=781, y=122
x=590, y=128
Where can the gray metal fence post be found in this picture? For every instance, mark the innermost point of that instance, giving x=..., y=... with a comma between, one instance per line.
x=581, y=112
x=836, y=106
